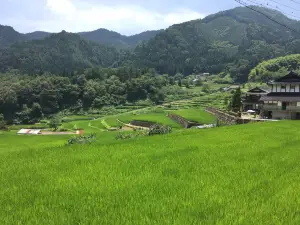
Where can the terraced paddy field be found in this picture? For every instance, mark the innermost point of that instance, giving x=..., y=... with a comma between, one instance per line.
x=195, y=114
x=246, y=174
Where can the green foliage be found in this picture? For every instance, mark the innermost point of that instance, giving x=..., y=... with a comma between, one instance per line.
x=159, y=129
x=55, y=122
x=3, y=125
x=27, y=99
x=205, y=88
x=236, y=101
x=88, y=139
x=131, y=135
x=60, y=53
x=275, y=68
x=232, y=41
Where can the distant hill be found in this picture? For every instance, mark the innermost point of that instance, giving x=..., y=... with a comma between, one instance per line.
x=58, y=53
x=9, y=36
x=232, y=41
x=115, y=39
x=37, y=35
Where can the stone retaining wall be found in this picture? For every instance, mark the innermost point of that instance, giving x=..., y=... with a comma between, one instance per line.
x=182, y=121
x=223, y=116
x=229, y=118
x=141, y=123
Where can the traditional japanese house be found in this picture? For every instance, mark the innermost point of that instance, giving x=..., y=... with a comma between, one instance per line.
x=283, y=102
x=251, y=101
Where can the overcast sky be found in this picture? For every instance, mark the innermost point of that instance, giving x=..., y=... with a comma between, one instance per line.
x=124, y=16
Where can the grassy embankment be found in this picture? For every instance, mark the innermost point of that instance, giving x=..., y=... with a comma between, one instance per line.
x=247, y=174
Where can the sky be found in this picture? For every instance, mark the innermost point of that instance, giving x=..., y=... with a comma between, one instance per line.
x=124, y=16
x=127, y=17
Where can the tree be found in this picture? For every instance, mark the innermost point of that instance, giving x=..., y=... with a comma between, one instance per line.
x=205, y=88
x=36, y=112
x=2, y=123
x=55, y=122
x=236, y=101
x=198, y=83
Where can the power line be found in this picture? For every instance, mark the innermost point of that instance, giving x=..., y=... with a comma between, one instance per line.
x=285, y=5
x=270, y=18
x=274, y=7
x=295, y=2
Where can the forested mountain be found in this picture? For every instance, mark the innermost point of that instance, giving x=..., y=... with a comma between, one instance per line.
x=58, y=53
x=9, y=36
x=233, y=41
x=37, y=35
x=230, y=42
x=103, y=36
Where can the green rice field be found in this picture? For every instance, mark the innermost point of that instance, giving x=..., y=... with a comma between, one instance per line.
x=245, y=174
x=196, y=114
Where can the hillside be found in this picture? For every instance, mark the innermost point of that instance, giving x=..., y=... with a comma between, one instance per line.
x=233, y=41
x=58, y=53
x=275, y=68
x=187, y=177
x=9, y=36
x=37, y=35
x=115, y=39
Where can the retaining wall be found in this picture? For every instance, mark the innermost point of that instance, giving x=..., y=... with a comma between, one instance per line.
x=229, y=118
x=141, y=123
x=182, y=121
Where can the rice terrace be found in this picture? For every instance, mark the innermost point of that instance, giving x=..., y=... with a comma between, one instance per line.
x=189, y=123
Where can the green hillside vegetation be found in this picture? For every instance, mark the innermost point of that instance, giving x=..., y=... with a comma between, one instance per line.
x=9, y=36
x=232, y=41
x=229, y=42
x=275, y=68
x=229, y=175
x=103, y=36
x=58, y=53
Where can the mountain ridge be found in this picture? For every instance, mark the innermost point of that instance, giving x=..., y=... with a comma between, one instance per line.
x=101, y=36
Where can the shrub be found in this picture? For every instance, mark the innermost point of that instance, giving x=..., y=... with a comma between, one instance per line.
x=159, y=129
x=126, y=135
x=82, y=139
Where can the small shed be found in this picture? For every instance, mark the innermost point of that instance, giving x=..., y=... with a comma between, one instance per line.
x=29, y=131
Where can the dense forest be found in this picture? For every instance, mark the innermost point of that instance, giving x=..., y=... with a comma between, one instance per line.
x=26, y=99
x=58, y=53
x=230, y=42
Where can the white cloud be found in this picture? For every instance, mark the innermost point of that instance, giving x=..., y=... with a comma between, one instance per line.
x=128, y=19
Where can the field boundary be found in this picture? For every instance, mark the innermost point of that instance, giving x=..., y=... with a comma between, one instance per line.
x=182, y=121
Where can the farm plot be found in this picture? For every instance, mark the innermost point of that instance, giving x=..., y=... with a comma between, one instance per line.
x=187, y=177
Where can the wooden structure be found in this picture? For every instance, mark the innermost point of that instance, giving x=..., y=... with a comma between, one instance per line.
x=252, y=101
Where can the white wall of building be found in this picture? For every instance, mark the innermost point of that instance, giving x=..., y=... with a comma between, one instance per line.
x=277, y=88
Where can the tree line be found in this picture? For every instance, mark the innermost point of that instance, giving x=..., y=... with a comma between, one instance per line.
x=27, y=99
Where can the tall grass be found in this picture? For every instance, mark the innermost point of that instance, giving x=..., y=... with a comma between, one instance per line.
x=247, y=174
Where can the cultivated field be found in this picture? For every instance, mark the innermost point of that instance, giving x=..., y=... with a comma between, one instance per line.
x=196, y=114
x=247, y=174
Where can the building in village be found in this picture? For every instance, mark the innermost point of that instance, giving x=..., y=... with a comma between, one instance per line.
x=283, y=102
x=252, y=99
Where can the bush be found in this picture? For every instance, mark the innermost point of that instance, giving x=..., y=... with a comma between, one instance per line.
x=126, y=135
x=82, y=139
x=159, y=129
